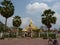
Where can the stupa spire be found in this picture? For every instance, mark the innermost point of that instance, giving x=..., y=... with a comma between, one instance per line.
x=31, y=22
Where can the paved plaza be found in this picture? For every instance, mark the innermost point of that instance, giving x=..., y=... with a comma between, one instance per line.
x=25, y=41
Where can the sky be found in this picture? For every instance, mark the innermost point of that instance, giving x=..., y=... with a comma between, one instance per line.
x=33, y=9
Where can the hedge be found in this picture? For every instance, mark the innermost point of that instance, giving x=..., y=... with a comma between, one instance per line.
x=44, y=35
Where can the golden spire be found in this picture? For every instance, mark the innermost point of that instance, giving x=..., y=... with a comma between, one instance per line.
x=31, y=22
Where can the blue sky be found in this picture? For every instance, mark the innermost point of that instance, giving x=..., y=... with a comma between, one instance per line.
x=32, y=9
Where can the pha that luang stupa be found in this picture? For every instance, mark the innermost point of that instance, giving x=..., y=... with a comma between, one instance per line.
x=28, y=30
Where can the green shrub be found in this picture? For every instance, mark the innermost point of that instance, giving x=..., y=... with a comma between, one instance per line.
x=45, y=36
x=41, y=35
x=52, y=35
x=9, y=36
x=35, y=34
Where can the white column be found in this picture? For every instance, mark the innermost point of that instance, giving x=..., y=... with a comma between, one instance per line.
x=31, y=33
x=39, y=33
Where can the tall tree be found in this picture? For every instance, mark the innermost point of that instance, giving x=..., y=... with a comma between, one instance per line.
x=16, y=23
x=6, y=10
x=48, y=18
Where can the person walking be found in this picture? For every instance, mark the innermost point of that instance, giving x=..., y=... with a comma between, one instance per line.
x=50, y=41
x=55, y=42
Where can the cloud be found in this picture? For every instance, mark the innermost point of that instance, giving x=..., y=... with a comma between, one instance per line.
x=56, y=7
x=57, y=25
x=9, y=21
x=58, y=18
x=25, y=21
x=36, y=7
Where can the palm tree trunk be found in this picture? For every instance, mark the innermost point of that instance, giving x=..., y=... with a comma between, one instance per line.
x=5, y=25
x=17, y=33
x=48, y=32
x=56, y=33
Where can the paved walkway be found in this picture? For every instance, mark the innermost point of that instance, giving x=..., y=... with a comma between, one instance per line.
x=25, y=41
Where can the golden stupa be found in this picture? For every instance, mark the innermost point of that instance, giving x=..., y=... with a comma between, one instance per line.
x=31, y=25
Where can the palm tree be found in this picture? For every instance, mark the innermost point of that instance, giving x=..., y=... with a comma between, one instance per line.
x=6, y=10
x=48, y=19
x=16, y=23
